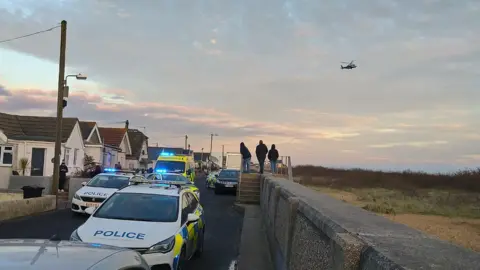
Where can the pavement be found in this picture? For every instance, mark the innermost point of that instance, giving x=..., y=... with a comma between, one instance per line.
x=254, y=249
x=222, y=235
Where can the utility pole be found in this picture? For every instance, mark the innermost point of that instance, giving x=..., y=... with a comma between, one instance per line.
x=223, y=154
x=61, y=85
x=201, y=158
x=211, y=146
x=186, y=141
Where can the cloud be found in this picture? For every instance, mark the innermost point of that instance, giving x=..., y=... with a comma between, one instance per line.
x=410, y=144
x=253, y=69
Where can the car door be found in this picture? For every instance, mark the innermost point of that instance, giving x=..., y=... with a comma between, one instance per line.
x=186, y=232
x=192, y=227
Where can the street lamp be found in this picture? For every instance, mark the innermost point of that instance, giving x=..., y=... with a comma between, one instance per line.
x=78, y=76
x=211, y=146
x=58, y=141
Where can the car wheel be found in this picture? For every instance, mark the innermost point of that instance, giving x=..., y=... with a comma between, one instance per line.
x=201, y=241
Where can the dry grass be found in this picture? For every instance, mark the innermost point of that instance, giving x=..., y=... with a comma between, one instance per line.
x=10, y=196
x=444, y=205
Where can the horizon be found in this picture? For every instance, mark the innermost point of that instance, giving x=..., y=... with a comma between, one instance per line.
x=256, y=70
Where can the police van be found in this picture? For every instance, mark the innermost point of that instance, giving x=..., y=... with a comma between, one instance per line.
x=100, y=187
x=164, y=223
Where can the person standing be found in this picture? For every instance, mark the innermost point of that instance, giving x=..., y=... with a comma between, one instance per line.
x=62, y=176
x=246, y=157
x=273, y=157
x=261, y=152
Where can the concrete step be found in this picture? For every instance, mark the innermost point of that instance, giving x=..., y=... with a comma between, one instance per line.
x=246, y=200
x=250, y=184
x=246, y=196
x=250, y=181
x=250, y=190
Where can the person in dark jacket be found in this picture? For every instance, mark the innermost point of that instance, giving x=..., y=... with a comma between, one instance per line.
x=63, y=176
x=246, y=157
x=98, y=170
x=261, y=152
x=273, y=157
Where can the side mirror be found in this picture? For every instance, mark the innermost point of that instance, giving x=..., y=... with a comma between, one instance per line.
x=189, y=171
x=90, y=210
x=84, y=183
x=192, y=218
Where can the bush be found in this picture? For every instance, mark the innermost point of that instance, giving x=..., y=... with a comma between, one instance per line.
x=467, y=180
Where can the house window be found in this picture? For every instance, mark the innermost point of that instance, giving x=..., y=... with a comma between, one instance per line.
x=6, y=155
x=66, y=158
x=75, y=154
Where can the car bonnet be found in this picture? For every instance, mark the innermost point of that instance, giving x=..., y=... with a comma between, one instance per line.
x=41, y=254
x=126, y=233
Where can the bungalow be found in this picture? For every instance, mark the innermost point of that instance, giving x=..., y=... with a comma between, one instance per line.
x=92, y=141
x=32, y=138
x=116, y=146
x=139, y=144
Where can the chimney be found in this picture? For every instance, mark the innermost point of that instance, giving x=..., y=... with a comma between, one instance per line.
x=126, y=125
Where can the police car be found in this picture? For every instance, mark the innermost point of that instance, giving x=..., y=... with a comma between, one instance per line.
x=211, y=179
x=174, y=179
x=100, y=187
x=164, y=223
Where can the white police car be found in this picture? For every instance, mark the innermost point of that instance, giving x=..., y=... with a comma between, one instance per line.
x=100, y=187
x=164, y=223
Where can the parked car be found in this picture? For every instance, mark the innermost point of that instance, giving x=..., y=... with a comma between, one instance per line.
x=21, y=254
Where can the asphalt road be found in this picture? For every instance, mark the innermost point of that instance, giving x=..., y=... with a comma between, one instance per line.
x=222, y=235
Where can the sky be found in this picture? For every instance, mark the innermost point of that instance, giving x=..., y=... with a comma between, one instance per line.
x=250, y=70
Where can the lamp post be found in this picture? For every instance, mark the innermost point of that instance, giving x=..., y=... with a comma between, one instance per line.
x=211, y=146
x=58, y=141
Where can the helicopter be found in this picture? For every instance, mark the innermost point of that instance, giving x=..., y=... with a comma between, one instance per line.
x=350, y=65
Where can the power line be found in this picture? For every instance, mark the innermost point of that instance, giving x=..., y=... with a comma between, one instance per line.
x=29, y=35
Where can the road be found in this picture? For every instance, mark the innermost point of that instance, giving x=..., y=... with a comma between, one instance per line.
x=222, y=234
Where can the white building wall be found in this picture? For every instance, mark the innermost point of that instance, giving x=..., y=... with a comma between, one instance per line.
x=24, y=150
x=96, y=152
x=132, y=164
x=76, y=147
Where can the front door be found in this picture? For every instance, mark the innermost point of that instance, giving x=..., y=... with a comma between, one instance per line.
x=38, y=161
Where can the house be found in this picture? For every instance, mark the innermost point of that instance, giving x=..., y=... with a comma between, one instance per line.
x=92, y=141
x=116, y=146
x=138, y=159
x=33, y=138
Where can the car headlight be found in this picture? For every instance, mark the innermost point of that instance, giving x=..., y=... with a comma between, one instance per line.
x=162, y=247
x=74, y=237
x=197, y=192
x=76, y=196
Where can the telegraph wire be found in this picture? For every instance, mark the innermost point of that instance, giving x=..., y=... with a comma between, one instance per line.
x=29, y=35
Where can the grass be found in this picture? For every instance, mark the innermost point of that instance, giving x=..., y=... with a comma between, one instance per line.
x=445, y=205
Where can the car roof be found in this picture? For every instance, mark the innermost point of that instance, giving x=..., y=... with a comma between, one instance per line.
x=44, y=254
x=150, y=189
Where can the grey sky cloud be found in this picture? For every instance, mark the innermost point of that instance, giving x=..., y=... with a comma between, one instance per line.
x=256, y=61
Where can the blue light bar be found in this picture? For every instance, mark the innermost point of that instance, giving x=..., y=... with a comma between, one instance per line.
x=166, y=154
x=110, y=169
x=161, y=171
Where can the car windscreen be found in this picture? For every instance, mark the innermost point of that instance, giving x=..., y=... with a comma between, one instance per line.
x=170, y=166
x=233, y=174
x=139, y=207
x=109, y=181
